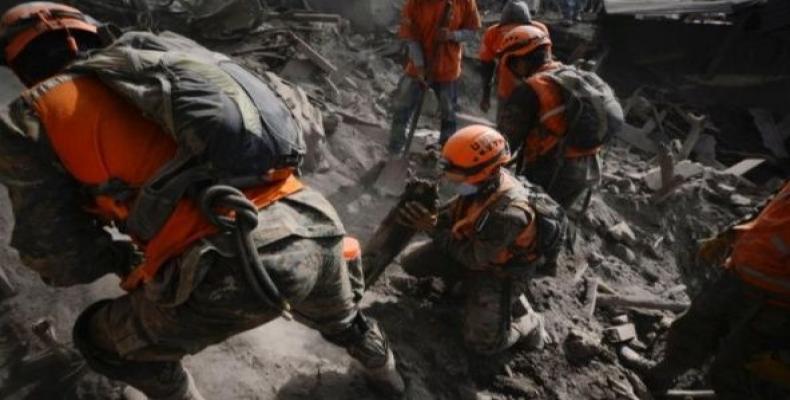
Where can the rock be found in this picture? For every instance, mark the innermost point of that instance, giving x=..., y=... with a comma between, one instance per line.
x=622, y=233
x=624, y=253
x=684, y=169
x=620, y=334
x=620, y=319
x=581, y=347
x=740, y=200
x=521, y=386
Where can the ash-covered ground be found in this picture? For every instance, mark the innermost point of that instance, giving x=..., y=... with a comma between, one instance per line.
x=629, y=242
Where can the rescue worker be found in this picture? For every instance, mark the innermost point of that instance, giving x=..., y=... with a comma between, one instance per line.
x=435, y=52
x=534, y=121
x=68, y=137
x=490, y=237
x=514, y=13
x=742, y=318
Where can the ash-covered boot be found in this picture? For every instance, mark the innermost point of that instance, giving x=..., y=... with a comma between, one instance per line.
x=386, y=379
x=189, y=393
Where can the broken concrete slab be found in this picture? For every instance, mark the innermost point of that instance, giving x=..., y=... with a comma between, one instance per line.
x=623, y=233
x=620, y=334
x=685, y=169
x=638, y=137
x=744, y=166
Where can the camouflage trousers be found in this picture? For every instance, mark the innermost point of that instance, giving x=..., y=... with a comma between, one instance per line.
x=488, y=313
x=202, y=298
x=571, y=177
x=748, y=338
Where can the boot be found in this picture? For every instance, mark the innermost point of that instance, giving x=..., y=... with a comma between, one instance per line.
x=532, y=330
x=191, y=393
x=386, y=379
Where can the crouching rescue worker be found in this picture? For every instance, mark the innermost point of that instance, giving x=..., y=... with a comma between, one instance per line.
x=82, y=150
x=434, y=32
x=515, y=13
x=496, y=233
x=742, y=319
x=560, y=117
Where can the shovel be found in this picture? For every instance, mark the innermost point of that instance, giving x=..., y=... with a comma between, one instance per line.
x=393, y=177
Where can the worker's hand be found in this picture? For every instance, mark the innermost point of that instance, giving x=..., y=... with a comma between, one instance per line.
x=446, y=35
x=485, y=104
x=416, y=216
x=714, y=250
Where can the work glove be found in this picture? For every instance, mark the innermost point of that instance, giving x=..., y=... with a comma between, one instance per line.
x=714, y=250
x=416, y=216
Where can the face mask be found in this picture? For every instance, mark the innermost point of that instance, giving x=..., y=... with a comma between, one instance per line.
x=466, y=189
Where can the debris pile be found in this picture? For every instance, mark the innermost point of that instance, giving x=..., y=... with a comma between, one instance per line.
x=632, y=269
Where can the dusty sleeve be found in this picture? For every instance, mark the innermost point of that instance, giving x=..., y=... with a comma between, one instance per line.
x=408, y=23
x=472, y=17
x=499, y=230
x=487, y=51
x=519, y=115
x=52, y=233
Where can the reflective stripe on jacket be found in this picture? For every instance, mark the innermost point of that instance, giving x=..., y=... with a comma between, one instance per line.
x=100, y=138
x=761, y=252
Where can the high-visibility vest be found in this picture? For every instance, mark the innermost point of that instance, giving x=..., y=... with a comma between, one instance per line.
x=761, y=252
x=466, y=216
x=552, y=123
x=99, y=138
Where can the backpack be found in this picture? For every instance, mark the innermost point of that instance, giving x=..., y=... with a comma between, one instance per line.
x=593, y=112
x=229, y=125
x=551, y=219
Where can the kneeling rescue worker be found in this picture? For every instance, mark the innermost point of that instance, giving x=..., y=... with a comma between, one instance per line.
x=742, y=318
x=496, y=233
x=78, y=157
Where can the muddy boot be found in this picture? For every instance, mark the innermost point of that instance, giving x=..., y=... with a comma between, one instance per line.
x=532, y=330
x=386, y=379
x=191, y=393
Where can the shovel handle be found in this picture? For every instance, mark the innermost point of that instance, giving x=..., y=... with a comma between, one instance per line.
x=414, y=120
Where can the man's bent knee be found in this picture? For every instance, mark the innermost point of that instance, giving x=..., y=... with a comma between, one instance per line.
x=155, y=379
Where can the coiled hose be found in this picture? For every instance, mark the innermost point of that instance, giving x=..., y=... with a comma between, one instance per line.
x=242, y=220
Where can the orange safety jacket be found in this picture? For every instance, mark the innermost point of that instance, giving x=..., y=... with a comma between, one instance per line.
x=491, y=44
x=466, y=215
x=761, y=252
x=99, y=137
x=419, y=23
x=552, y=123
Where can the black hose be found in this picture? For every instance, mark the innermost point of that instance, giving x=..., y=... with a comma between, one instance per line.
x=244, y=221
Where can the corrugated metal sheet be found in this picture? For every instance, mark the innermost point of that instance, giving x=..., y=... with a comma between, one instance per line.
x=663, y=7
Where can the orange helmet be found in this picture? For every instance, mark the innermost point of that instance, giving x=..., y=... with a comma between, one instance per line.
x=523, y=40
x=475, y=152
x=22, y=24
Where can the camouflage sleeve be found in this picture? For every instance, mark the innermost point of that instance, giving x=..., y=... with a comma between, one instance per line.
x=52, y=233
x=518, y=115
x=497, y=231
